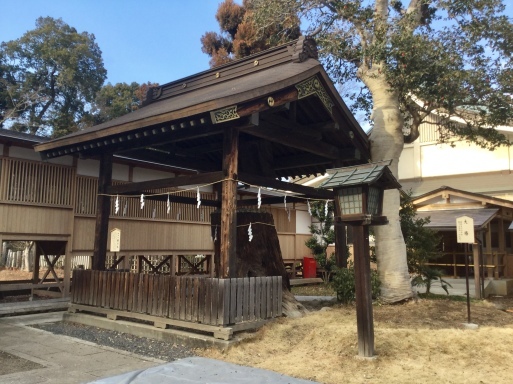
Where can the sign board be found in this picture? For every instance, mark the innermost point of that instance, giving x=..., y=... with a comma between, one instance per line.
x=115, y=240
x=465, y=229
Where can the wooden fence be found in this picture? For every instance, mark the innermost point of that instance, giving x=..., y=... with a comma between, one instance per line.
x=163, y=298
x=36, y=182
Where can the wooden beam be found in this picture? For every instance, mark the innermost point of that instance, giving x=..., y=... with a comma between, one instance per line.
x=285, y=186
x=160, y=156
x=340, y=237
x=101, y=231
x=198, y=179
x=290, y=126
x=199, y=150
x=270, y=200
x=185, y=200
x=294, y=140
x=363, y=291
x=229, y=203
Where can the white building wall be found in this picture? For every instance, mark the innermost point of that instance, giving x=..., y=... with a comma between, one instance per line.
x=142, y=174
x=303, y=221
x=426, y=165
x=120, y=172
x=88, y=167
x=30, y=154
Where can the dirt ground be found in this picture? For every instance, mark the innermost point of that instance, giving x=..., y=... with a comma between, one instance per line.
x=416, y=342
x=420, y=341
x=8, y=274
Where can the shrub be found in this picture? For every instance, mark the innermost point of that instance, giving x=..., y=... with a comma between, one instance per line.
x=343, y=283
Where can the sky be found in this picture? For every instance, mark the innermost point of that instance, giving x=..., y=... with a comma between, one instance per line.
x=153, y=40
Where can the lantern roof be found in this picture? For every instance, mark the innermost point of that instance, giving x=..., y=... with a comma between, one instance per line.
x=373, y=174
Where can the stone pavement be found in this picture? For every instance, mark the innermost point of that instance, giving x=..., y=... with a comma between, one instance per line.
x=47, y=358
x=62, y=359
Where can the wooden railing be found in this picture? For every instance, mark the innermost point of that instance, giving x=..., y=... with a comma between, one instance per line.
x=210, y=301
x=36, y=182
x=493, y=263
x=87, y=189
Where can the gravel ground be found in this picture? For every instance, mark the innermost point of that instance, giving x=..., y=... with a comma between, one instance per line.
x=126, y=342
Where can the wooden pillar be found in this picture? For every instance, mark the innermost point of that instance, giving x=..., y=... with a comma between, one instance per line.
x=35, y=272
x=67, y=270
x=340, y=237
x=489, y=254
x=477, y=270
x=228, y=235
x=499, y=271
x=101, y=232
x=364, y=316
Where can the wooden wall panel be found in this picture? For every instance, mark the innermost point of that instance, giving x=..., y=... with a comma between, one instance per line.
x=301, y=249
x=148, y=235
x=281, y=219
x=30, y=219
x=287, y=245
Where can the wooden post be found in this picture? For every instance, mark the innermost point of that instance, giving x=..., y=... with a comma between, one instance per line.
x=488, y=252
x=364, y=316
x=101, y=232
x=499, y=271
x=340, y=237
x=477, y=270
x=228, y=235
x=340, y=245
x=67, y=270
x=35, y=273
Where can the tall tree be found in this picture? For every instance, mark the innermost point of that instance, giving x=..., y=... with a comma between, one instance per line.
x=448, y=57
x=239, y=37
x=47, y=78
x=113, y=101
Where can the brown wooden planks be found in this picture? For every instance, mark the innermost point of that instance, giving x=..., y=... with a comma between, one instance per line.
x=245, y=300
x=240, y=300
x=280, y=296
x=258, y=297
x=135, y=292
x=232, y=310
x=268, y=301
x=178, y=292
x=226, y=299
x=183, y=298
x=215, y=302
x=172, y=297
x=130, y=292
x=197, y=301
x=252, y=298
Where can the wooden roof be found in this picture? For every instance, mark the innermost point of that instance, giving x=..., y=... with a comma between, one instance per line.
x=291, y=119
x=446, y=220
x=370, y=174
x=445, y=192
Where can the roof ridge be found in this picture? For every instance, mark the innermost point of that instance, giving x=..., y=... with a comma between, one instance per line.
x=295, y=51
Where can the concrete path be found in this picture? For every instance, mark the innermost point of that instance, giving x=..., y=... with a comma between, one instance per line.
x=43, y=357
x=199, y=370
x=458, y=287
x=60, y=359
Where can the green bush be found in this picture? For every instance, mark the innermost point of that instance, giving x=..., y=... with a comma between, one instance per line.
x=344, y=284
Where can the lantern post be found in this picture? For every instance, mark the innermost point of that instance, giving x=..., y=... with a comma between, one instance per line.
x=358, y=195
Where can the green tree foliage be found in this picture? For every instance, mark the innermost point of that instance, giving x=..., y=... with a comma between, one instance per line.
x=239, y=38
x=322, y=236
x=344, y=280
x=48, y=76
x=447, y=59
x=114, y=101
x=449, y=56
x=422, y=246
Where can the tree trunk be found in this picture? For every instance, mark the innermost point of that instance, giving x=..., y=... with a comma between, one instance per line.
x=259, y=257
x=387, y=144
